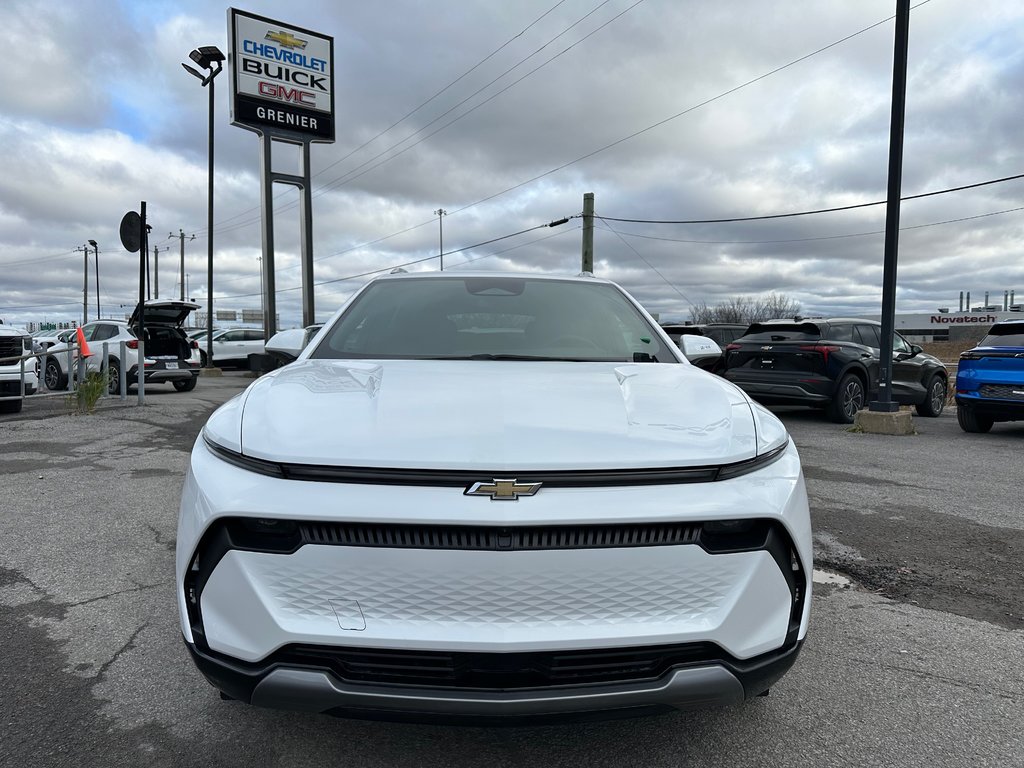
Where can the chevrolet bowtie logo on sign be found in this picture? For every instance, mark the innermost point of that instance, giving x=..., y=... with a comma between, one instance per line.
x=287, y=39
x=503, y=490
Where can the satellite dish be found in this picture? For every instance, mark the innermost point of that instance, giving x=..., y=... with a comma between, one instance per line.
x=131, y=232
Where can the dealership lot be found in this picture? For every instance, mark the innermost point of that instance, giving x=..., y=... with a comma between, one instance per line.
x=919, y=662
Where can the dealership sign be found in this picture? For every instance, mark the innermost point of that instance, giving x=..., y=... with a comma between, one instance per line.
x=282, y=78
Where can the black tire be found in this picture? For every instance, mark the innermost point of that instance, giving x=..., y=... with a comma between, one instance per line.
x=934, y=398
x=186, y=385
x=971, y=421
x=54, y=379
x=848, y=399
x=113, y=376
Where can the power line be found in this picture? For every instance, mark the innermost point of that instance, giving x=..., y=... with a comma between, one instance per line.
x=812, y=239
x=811, y=213
x=645, y=261
x=36, y=260
x=554, y=223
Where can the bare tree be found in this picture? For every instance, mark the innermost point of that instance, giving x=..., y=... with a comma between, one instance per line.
x=744, y=309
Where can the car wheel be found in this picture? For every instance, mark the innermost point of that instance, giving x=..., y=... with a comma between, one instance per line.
x=971, y=421
x=53, y=378
x=848, y=399
x=935, y=398
x=186, y=385
x=114, y=376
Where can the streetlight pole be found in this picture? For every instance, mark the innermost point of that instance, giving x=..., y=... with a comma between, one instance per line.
x=440, y=235
x=96, y=253
x=208, y=57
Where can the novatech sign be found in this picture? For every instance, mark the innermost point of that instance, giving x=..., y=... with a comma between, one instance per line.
x=962, y=319
x=282, y=77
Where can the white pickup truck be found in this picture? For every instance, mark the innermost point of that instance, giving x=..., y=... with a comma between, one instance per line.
x=15, y=343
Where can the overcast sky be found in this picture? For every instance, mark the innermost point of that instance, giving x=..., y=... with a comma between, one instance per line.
x=505, y=114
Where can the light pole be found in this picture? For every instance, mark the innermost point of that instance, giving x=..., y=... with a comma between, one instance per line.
x=210, y=58
x=96, y=253
x=440, y=235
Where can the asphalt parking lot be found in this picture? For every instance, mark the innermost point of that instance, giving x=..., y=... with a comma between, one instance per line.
x=919, y=661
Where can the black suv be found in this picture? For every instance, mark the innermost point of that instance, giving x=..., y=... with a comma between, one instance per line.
x=831, y=364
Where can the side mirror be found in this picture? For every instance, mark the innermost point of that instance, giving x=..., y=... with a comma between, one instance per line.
x=915, y=350
x=695, y=347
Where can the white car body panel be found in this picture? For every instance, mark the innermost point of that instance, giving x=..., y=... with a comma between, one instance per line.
x=494, y=601
x=490, y=415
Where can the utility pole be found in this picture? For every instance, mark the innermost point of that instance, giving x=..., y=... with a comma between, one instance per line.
x=588, y=232
x=85, y=283
x=181, y=238
x=156, y=270
x=96, y=253
x=440, y=235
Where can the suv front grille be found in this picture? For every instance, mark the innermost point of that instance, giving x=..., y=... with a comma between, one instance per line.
x=497, y=671
x=1003, y=391
x=497, y=538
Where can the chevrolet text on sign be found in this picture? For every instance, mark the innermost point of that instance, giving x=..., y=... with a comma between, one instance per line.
x=282, y=77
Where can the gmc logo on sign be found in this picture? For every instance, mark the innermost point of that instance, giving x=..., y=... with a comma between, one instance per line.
x=283, y=93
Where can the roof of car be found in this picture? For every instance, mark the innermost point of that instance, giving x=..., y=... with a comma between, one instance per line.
x=581, y=277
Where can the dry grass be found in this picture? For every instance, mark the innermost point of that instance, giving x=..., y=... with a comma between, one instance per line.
x=947, y=351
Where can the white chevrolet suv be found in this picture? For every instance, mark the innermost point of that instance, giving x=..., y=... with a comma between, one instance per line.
x=493, y=497
x=171, y=357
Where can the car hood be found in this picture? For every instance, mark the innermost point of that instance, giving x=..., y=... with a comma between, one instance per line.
x=490, y=415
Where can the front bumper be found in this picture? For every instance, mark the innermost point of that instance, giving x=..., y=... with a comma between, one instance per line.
x=716, y=680
x=369, y=569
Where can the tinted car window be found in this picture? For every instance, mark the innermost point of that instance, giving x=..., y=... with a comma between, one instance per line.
x=783, y=332
x=104, y=332
x=1011, y=335
x=468, y=317
x=867, y=335
x=840, y=332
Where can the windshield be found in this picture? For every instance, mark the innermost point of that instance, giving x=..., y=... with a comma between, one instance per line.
x=510, y=318
x=1009, y=335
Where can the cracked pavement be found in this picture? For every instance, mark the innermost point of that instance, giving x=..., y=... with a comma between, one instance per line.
x=919, y=663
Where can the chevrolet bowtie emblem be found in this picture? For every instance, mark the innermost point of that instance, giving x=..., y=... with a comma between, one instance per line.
x=503, y=490
x=287, y=39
